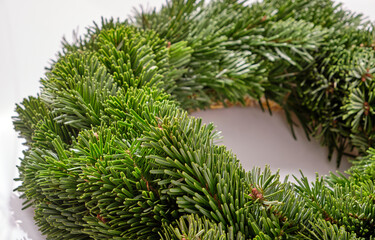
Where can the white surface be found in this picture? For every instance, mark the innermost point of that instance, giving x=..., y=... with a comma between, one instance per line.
x=30, y=35
x=259, y=139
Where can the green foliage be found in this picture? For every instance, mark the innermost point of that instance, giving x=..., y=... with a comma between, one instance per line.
x=195, y=227
x=112, y=152
x=219, y=68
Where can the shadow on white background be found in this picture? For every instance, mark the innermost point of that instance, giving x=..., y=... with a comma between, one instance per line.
x=30, y=35
x=259, y=139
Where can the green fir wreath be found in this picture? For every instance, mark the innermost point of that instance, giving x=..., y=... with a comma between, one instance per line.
x=113, y=153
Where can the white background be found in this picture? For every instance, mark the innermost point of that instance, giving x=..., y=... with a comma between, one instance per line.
x=30, y=35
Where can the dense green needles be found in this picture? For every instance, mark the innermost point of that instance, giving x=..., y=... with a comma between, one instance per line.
x=113, y=154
